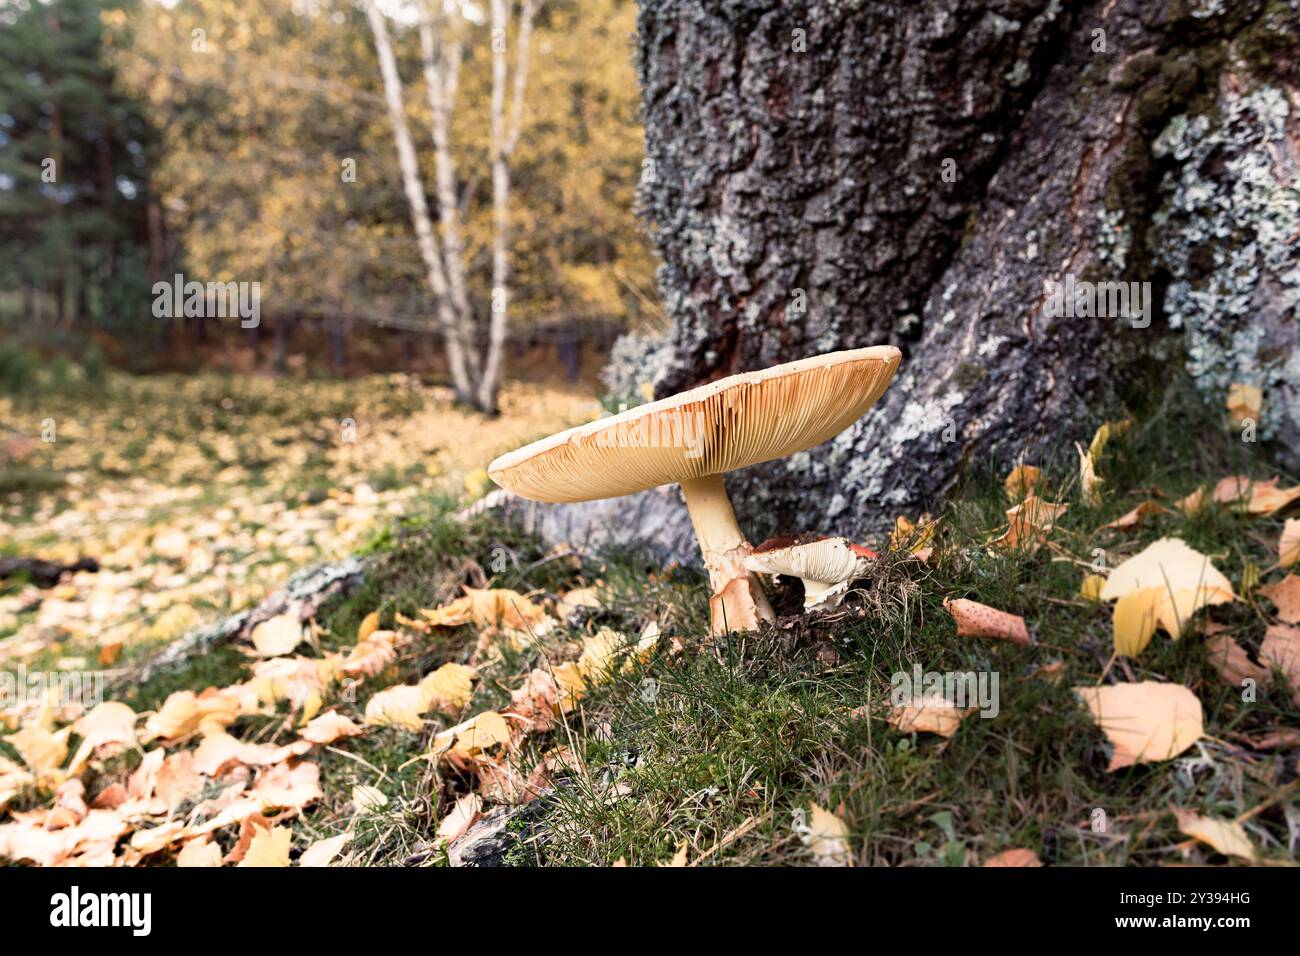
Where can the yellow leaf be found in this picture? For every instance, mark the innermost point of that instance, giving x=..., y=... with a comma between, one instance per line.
x=199, y=852
x=1021, y=482
x=1186, y=578
x=42, y=750
x=277, y=636
x=469, y=739
x=401, y=706
x=268, y=848
x=828, y=838
x=1226, y=836
x=369, y=624
x=328, y=728
x=323, y=852
x=1146, y=721
x=1288, y=546
x=679, y=858
x=367, y=799
x=1131, y=518
x=449, y=688
x=1030, y=521
x=1244, y=401
x=1134, y=623
x=926, y=717
x=1089, y=483
x=1104, y=434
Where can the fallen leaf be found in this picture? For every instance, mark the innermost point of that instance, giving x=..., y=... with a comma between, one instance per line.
x=926, y=717
x=323, y=852
x=1090, y=589
x=461, y=817
x=1089, y=483
x=1022, y=480
x=1186, y=580
x=1285, y=595
x=1104, y=433
x=1233, y=663
x=489, y=607
x=371, y=656
x=268, y=848
x=979, y=620
x=679, y=858
x=1226, y=836
x=329, y=727
x=1288, y=546
x=449, y=688
x=42, y=750
x=1281, y=648
x=1030, y=522
x=219, y=750
x=1130, y=519
x=1260, y=497
x=288, y=787
x=572, y=601
x=184, y=713
x=828, y=838
x=733, y=608
x=1134, y=621
x=1145, y=721
x=402, y=706
x=467, y=740
x=303, y=681
x=105, y=730
x=1244, y=401
x=277, y=636
x=910, y=536
x=1016, y=857
x=199, y=852
x=1192, y=503
x=369, y=624
x=368, y=799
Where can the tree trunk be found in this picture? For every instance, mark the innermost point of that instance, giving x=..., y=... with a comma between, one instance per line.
x=826, y=175
x=455, y=335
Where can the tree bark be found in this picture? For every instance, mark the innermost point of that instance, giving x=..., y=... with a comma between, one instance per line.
x=826, y=175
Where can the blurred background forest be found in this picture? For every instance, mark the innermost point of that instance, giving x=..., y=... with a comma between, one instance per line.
x=248, y=141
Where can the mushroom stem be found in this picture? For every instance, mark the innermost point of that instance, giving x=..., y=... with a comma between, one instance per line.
x=724, y=548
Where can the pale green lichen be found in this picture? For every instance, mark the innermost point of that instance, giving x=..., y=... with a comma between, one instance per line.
x=1225, y=233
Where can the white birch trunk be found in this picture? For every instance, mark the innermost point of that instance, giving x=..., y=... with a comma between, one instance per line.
x=453, y=328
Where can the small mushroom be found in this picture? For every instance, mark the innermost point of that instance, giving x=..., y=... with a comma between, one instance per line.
x=826, y=565
x=696, y=437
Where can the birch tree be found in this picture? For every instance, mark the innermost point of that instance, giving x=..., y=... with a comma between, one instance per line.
x=474, y=348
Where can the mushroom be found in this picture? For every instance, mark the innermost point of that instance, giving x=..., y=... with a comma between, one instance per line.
x=827, y=566
x=696, y=437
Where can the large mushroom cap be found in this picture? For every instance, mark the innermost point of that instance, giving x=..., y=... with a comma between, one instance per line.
x=728, y=424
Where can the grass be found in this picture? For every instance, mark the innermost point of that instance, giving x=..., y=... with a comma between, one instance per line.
x=724, y=746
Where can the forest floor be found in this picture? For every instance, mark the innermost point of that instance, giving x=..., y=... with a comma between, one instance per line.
x=575, y=705
x=198, y=495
